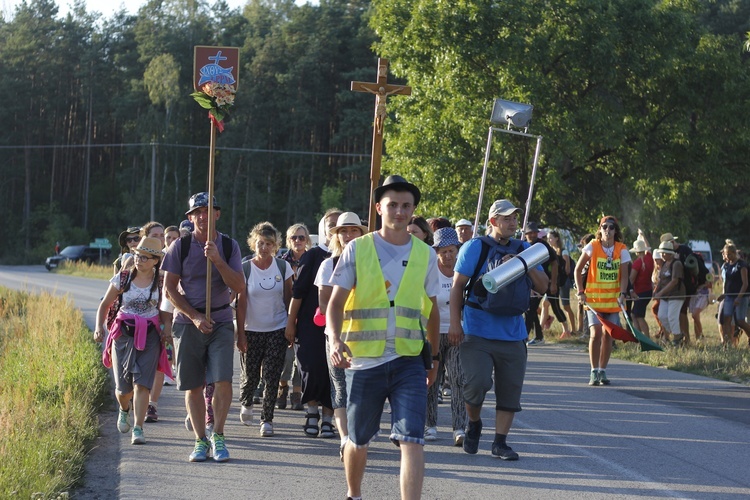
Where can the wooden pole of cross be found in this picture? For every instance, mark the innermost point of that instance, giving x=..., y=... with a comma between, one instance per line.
x=382, y=89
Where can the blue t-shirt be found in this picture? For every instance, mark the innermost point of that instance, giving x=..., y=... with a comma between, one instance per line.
x=481, y=323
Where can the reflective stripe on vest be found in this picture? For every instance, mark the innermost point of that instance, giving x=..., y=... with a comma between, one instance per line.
x=367, y=309
x=603, y=281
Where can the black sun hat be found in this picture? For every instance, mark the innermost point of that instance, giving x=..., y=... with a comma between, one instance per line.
x=397, y=183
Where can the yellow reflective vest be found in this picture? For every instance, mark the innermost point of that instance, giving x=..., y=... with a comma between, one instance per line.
x=367, y=308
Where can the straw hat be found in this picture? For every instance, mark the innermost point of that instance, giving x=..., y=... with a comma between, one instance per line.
x=150, y=246
x=640, y=246
x=666, y=247
x=348, y=219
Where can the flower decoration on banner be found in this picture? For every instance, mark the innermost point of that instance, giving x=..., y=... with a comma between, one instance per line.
x=217, y=98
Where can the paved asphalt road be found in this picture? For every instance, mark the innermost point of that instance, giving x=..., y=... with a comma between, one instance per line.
x=653, y=433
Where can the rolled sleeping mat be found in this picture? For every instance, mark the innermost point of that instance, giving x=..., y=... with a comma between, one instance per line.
x=514, y=268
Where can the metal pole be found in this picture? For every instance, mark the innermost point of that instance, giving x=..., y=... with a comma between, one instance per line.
x=484, y=180
x=531, y=184
x=209, y=264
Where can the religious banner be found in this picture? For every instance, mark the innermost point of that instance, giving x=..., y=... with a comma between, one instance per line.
x=215, y=79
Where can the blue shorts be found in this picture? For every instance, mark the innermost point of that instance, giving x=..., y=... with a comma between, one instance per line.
x=729, y=310
x=404, y=382
x=611, y=317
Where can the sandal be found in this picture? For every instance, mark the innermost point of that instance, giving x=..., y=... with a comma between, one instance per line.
x=326, y=430
x=311, y=424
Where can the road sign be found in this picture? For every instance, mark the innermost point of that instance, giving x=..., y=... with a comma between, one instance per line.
x=100, y=243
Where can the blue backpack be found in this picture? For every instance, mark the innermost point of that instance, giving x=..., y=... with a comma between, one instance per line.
x=511, y=300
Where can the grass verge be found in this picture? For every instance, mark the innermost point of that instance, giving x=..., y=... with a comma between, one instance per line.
x=86, y=270
x=52, y=385
x=705, y=358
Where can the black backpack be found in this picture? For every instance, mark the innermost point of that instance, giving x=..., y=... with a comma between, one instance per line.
x=562, y=272
x=226, y=246
x=511, y=300
x=694, y=271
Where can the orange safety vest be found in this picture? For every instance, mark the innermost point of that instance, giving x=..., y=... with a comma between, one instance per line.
x=603, y=281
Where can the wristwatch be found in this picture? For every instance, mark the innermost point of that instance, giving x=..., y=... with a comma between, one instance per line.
x=437, y=357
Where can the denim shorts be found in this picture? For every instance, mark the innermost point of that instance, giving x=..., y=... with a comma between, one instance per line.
x=611, y=317
x=729, y=310
x=404, y=382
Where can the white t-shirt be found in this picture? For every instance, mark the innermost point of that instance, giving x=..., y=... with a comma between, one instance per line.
x=325, y=272
x=393, y=260
x=443, y=298
x=140, y=301
x=266, y=311
x=624, y=253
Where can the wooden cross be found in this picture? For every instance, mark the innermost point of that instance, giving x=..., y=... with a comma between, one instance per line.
x=382, y=89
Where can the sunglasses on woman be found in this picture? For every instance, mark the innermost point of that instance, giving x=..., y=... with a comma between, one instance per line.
x=610, y=227
x=300, y=237
x=130, y=239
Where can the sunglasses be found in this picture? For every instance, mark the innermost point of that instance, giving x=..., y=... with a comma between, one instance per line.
x=300, y=237
x=133, y=238
x=611, y=227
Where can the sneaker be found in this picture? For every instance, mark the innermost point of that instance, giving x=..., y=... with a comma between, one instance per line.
x=188, y=423
x=246, y=415
x=603, y=378
x=295, y=401
x=200, y=452
x=430, y=434
x=137, y=437
x=281, y=397
x=447, y=392
x=594, y=379
x=677, y=340
x=266, y=429
x=458, y=437
x=123, y=421
x=151, y=415
x=535, y=342
x=504, y=452
x=471, y=436
x=218, y=448
x=257, y=395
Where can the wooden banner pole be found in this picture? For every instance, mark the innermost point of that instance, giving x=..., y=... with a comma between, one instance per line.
x=211, y=222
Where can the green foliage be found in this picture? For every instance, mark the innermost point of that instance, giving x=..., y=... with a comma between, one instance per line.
x=641, y=108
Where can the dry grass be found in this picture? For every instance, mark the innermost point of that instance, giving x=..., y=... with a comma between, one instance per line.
x=86, y=270
x=52, y=384
x=705, y=358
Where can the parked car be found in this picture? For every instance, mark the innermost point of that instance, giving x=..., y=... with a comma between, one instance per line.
x=75, y=253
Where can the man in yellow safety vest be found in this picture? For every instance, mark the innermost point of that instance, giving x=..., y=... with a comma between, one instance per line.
x=381, y=310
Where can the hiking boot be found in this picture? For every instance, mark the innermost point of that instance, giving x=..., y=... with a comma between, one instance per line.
x=151, y=414
x=536, y=342
x=246, y=415
x=281, y=398
x=295, y=400
x=200, y=452
x=137, y=436
x=430, y=434
x=266, y=429
x=472, y=435
x=123, y=421
x=218, y=448
x=503, y=452
x=603, y=378
x=594, y=380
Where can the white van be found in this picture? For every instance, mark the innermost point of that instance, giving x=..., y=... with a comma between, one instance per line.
x=702, y=247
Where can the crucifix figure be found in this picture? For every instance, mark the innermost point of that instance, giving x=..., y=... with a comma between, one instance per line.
x=382, y=89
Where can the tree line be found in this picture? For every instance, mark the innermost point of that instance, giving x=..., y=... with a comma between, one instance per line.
x=642, y=105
